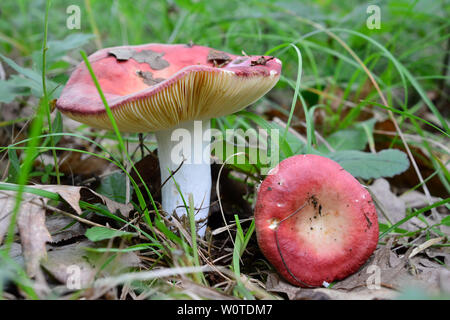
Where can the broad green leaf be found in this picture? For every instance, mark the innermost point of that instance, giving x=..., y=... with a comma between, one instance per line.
x=101, y=233
x=353, y=138
x=347, y=139
x=32, y=80
x=386, y=163
x=58, y=48
x=114, y=187
x=10, y=89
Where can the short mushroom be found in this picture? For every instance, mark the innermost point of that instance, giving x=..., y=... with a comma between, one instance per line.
x=314, y=221
x=161, y=88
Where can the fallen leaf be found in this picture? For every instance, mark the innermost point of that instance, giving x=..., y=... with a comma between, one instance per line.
x=431, y=277
x=275, y=284
x=71, y=261
x=416, y=199
x=73, y=194
x=67, y=263
x=392, y=269
x=31, y=217
x=76, y=163
x=31, y=224
x=391, y=205
x=203, y=291
x=33, y=232
x=148, y=168
x=57, y=226
x=425, y=245
x=442, y=254
x=388, y=202
x=6, y=208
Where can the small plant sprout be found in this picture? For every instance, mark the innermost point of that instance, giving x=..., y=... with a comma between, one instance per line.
x=326, y=228
x=166, y=89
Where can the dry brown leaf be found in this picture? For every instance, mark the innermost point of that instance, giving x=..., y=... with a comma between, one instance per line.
x=425, y=245
x=360, y=294
x=31, y=224
x=33, y=232
x=31, y=218
x=76, y=163
x=416, y=199
x=6, y=208
x=67, y=262
x=392, y=206
x=392, y=269
x=72, y=195
x=148, y=168
x=57, y=227
x=203, y=291
x=443, y=254
x=431, y=277
x=275, y=284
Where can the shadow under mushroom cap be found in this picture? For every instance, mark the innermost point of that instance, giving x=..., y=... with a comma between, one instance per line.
x=156, y=86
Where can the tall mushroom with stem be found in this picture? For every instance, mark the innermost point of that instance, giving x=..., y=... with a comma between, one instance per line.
x=174, y=91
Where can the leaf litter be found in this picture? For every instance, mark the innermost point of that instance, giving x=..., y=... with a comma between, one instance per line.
x=31, y=219
x=402, y=263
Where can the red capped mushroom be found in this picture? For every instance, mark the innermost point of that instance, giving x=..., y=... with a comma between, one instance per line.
x=165, y=89
x=314, y=221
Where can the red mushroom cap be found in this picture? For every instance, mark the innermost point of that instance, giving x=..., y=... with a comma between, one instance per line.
x=156, y=86
x=334, y=233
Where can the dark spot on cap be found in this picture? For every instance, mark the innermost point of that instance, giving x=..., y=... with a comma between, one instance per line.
x=218, y=58
x=314, y=201
x=260, y=61
x=269, y=189
x=148, y=79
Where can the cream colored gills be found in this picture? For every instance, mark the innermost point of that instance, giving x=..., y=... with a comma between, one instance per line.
x=217, y=96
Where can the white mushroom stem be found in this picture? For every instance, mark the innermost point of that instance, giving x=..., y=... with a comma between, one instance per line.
x=189, y=141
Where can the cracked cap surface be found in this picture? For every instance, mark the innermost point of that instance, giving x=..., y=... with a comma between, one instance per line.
x=157, y=86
